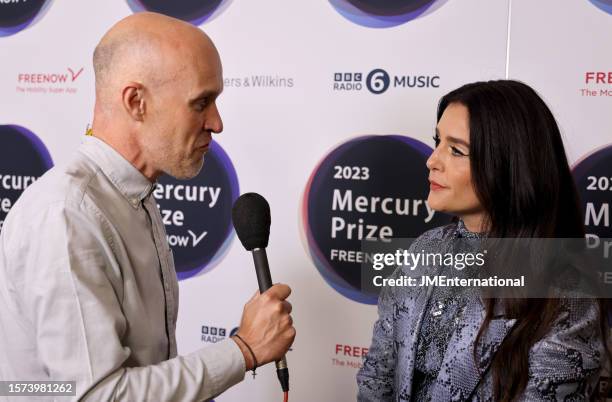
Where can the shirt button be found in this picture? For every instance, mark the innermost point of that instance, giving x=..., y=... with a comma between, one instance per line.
x=134, y=201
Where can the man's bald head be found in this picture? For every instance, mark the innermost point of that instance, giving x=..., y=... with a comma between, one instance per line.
x=157, y=81
x=148, y=48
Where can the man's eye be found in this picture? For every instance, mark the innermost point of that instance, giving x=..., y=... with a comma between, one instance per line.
x=200, y=106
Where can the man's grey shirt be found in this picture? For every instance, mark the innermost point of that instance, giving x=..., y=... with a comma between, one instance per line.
x=89, y=292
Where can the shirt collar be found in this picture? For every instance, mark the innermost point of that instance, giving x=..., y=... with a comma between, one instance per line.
x=462, y=231
x=132, y=184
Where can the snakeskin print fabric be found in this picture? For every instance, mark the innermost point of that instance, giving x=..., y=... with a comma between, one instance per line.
x=416, y=356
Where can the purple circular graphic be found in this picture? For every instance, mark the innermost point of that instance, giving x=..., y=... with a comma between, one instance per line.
x=605, y=5
x=593, y=175
x=197, y=213
x=384, y=13
x=370, y=188
x=16, y=15
x=23, y=159
x=193, y=11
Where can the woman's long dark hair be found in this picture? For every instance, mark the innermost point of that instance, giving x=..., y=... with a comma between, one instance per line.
x=521, y=176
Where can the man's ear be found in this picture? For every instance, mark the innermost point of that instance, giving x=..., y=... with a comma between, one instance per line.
x=133, y=100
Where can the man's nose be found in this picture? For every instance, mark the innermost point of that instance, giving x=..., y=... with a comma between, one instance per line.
x=213, y=121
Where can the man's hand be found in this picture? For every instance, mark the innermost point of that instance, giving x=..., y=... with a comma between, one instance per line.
x=267, y=326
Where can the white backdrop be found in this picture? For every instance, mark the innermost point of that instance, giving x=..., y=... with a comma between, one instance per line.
x=275, y=136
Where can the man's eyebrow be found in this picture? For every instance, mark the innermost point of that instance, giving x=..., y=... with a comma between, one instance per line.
x=205, y=94
x=453, y=140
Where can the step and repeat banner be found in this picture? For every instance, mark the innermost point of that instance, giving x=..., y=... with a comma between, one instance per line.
x=329, y=110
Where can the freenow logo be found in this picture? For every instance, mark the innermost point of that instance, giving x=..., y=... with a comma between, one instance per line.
x=197, y=213
x=193, y=11
x=598, y=84
x=16, y=15
x=63, y=82
x=349, y=356
x=378, y=81
x=23, y=159
x=370, y=189
x=384, y=13
x=605, y=5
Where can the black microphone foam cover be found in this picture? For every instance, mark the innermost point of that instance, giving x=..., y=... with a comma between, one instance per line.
x=251, y=218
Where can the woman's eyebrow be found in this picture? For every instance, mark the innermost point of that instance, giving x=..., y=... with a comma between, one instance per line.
x=453, y=140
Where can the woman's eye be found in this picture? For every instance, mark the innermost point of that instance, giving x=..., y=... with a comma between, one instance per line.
x=456, y=152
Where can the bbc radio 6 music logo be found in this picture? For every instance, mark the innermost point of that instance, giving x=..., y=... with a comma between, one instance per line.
x=16, y=15
x=384, y=13
x=605, y=5
x=193, y=11
x=214, y=334
x=378, y=81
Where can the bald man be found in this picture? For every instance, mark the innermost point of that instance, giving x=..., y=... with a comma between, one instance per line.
x=87, y=281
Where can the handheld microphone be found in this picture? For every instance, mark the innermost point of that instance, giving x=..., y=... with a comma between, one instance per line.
x=251, y=218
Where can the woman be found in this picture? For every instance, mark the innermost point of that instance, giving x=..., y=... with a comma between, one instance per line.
x=500, y=167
